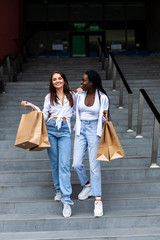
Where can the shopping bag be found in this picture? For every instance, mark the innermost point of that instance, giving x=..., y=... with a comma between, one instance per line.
x=29, y=130
x=109, y=145
x=44, y=142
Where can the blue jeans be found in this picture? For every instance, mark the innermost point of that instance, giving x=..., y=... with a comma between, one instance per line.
x=59, y=155
x=88, y=138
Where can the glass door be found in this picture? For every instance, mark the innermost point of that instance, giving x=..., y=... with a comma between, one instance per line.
x=78, y=45
x=93, y=45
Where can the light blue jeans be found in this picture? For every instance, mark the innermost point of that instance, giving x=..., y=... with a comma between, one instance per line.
x=88, y=139
x=59, y=155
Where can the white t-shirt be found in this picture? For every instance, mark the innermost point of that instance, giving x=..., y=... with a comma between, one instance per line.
x=104, y=105
x=89, y=112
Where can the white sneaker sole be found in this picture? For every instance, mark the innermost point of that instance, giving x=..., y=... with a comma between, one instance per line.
x=98, y=215
x=57, y=200
x=66, y=216
x=89, y=195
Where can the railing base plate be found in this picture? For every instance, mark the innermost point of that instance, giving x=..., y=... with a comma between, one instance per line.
x=130, y=130
x=154, y=165
x=139, y=136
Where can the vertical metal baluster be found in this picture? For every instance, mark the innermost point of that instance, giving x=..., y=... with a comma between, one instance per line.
x=130, y=112
x=114, y=77
x=24, y=52
x=121, y=94
x=103, y=63
x=155, y=145
x=2, y=79
x=140, y=115
x=21, y=62
x=109, y=67
x=100, y=54
x=106, y=67
x=17, y=60
x=9, y=69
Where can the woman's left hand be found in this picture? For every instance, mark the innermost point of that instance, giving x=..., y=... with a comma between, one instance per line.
x=105, y=114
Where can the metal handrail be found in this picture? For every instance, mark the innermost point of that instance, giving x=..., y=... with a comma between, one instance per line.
x=13, y=65
x=143, y=95
x=111, y=73
x=120, y=74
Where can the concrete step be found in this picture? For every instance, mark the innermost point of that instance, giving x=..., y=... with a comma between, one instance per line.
x=115, y=114
x=109, y=234
x=25, y=176
x=121, y=134
x=44, y=190
x=120, y=126
x=20, y=153
x=49, y=206
x=35, y=164
x=9, y=144
x=84, y=221
x=117, y=123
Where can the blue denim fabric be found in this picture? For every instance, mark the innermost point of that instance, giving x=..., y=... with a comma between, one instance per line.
x=88, y=139
x=59, y=155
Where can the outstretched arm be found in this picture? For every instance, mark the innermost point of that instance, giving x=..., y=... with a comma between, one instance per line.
x=28, y=104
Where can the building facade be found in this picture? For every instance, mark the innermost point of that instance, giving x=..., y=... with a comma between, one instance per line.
x=72, y=28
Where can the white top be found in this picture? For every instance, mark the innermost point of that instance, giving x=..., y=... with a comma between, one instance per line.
x=58, y=110
x=104, y=105
x=89, y=112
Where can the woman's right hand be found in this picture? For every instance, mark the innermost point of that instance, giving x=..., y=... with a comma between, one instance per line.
x=79, y=90
x=27, y=104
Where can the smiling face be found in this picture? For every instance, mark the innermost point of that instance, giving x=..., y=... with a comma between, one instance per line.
x=58, y=81
x=85, y=83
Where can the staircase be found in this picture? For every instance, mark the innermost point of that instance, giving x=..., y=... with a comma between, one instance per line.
x=131, y=190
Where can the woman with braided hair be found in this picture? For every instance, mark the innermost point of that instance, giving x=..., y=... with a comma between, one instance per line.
x=92, y=105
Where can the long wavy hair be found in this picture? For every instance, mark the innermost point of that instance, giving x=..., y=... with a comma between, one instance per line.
x=66, y=90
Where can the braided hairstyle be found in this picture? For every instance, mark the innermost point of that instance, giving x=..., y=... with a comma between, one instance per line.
x=95, y=78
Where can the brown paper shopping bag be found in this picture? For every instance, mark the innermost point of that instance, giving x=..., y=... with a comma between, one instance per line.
x=29, y=130
x=44, y=142
x=109, y=145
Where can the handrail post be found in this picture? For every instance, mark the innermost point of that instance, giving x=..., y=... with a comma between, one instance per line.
x=21, y=62
x=24, y=53
x=17, y=64
x=140, y=115
x=121, y=95
x=2, y=79
x=100, y=53
x=155, y=145
x=103, y=63
x=9, y=69
x=106, y=67
x=114, y=77
x=109, y=67
x=130, y=112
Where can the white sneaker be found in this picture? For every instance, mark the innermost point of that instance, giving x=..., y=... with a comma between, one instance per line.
x=58, y=196
x=66, y=210
x=98, y=208
x=85, y=193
